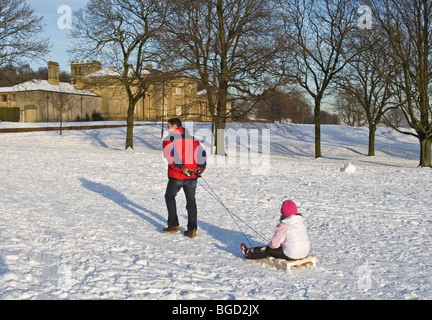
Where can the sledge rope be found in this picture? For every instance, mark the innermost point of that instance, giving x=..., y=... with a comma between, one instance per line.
x=210, y=190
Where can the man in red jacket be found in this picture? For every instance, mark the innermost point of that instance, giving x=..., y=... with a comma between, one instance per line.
x=186, y=162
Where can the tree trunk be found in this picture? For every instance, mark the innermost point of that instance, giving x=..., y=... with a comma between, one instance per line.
x=130, y=125
x=317, y=128
x=425, y=151
x=372, y=131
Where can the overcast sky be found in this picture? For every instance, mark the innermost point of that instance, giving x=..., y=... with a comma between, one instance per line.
x=56, y=27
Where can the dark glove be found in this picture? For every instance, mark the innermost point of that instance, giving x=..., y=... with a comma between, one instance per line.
x=198, y=172
x=188, y=172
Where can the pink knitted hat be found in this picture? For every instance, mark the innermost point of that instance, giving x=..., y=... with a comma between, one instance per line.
x=289, y=208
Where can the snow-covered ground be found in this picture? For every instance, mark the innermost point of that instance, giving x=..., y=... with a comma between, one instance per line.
x=81, y=218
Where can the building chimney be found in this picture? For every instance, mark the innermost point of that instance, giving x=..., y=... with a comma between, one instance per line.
x=82, y=69
x=53, y=73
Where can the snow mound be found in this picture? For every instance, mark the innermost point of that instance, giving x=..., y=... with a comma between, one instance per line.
x=348, y=168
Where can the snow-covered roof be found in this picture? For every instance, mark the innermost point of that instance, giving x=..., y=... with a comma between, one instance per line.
x=44, y=85
x=111, y=72
x=116, y=73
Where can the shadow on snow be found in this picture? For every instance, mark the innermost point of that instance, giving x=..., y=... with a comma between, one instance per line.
x=120, y=199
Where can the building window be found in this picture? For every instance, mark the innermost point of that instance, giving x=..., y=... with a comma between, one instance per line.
x=4, y=98
x=177, y=91
x=117, y=106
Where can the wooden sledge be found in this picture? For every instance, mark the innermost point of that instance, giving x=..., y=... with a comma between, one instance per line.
x=289, y=264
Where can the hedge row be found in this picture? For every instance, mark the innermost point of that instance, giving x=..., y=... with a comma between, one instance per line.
x=10, y=114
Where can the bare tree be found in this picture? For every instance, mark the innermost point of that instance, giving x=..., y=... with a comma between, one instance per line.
x=19, y=33
x=224, y=45
x=364, y=80
x=313, y=39
x=349, y=110
x=62, y=103
x=407, y=25
x=277, y=105
x=124, y=34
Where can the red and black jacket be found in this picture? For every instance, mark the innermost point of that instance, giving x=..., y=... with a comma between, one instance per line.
x=183, y=151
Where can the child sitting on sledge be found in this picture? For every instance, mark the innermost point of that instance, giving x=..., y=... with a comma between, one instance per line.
x=290, y=240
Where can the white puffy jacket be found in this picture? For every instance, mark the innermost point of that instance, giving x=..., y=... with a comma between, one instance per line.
x=292, y=235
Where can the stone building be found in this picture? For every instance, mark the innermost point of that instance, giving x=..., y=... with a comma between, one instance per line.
x=94, y=89
x=46, y=100
x=175, y=97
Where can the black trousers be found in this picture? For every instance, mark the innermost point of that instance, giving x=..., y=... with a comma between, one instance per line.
x=189, y=187
x=264, y=252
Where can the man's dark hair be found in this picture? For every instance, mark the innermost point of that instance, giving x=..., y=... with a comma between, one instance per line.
x=175, y=121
